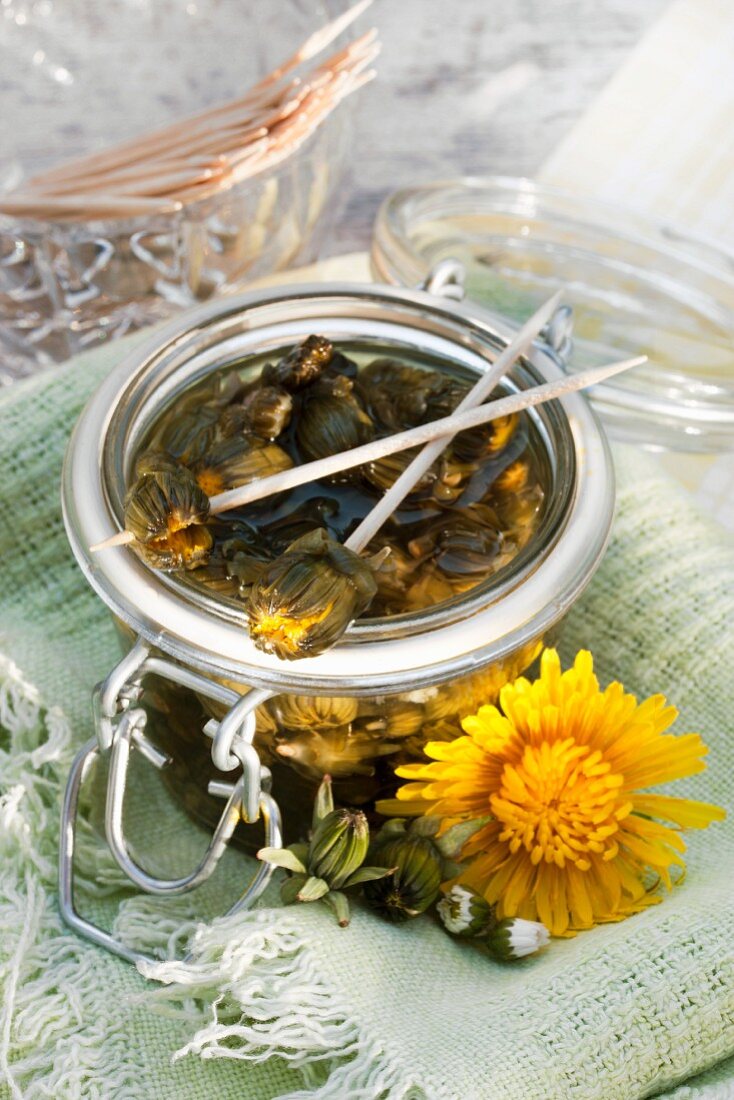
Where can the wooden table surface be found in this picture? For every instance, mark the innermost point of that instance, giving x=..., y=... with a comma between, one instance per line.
x=473, y=86
x=480, y=87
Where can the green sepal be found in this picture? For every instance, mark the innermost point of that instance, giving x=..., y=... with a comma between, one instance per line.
x=324, y=801
x=395, y=826
x=450, y=869
x=425, y=826
x=290, y=889
x=282, y=857
x=339, y=905
x=453, y=840
x=313, y=889
x=300, y=851
x=367, y=874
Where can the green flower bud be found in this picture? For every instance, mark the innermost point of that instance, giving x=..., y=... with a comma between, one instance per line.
x=464, y=912
x=332, y=862
x=513, y=937
x=304, y=601
x=338, y=846
x=414, y=883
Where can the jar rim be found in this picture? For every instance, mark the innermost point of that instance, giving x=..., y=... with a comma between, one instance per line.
x=194, y=626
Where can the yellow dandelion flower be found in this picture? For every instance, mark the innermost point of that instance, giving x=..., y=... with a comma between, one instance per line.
x=561, y=767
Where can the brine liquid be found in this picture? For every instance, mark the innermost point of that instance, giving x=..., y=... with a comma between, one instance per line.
x=461, y=525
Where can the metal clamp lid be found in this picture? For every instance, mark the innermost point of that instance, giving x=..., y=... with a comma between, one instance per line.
x=120, y=730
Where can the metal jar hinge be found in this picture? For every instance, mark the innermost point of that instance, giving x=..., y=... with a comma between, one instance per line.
x=447, y=279
x=120, y=730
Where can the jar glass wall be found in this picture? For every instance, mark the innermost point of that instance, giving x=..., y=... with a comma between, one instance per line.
x=301, y=738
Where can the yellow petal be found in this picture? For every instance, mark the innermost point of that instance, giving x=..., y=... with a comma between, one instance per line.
x=683, y=811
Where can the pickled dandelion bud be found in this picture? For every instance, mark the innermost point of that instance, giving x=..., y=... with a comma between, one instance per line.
x=332, y=421
x=311, y=712
x=340, y=752
x=398, y=395
x=301, y=366
x=190, y=433
x=459, y=545
x=266, y=412
x=382, y=473
x=304, y=601
x=514, y=477
x=166, y=510
x=489, y=439
x=237, y=461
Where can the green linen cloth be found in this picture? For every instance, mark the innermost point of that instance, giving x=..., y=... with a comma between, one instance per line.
x=281, y=1002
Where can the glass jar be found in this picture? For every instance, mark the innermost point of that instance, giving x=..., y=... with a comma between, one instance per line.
x=390, y=684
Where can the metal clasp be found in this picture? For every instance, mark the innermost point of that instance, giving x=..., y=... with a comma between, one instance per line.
x=132, y=722
x=120, y=728
x=446, y=280
x=115, y=694
x=558, y=333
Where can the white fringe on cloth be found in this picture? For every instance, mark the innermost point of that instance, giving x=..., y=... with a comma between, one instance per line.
x=53, y=1018
x=266, y=998
x=251, y=990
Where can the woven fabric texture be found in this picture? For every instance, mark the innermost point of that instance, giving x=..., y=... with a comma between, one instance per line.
x=642, y=1008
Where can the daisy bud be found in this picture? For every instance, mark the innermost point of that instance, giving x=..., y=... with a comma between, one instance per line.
x=304, y=601
x=513, y=937
x=464, y=912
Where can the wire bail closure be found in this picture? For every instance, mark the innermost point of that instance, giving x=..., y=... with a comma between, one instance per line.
x=120, y=730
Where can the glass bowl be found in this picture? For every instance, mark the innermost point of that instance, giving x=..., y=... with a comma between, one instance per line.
x=636, y=287
x=66, y=287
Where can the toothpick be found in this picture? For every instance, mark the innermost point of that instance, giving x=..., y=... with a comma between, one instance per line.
x=199, y=157
x=318, y=41
x=94, y=205
x=441, y=431
x=151, y=180
x=399, y=490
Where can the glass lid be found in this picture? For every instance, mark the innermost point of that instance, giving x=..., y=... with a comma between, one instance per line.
x=635, y=287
